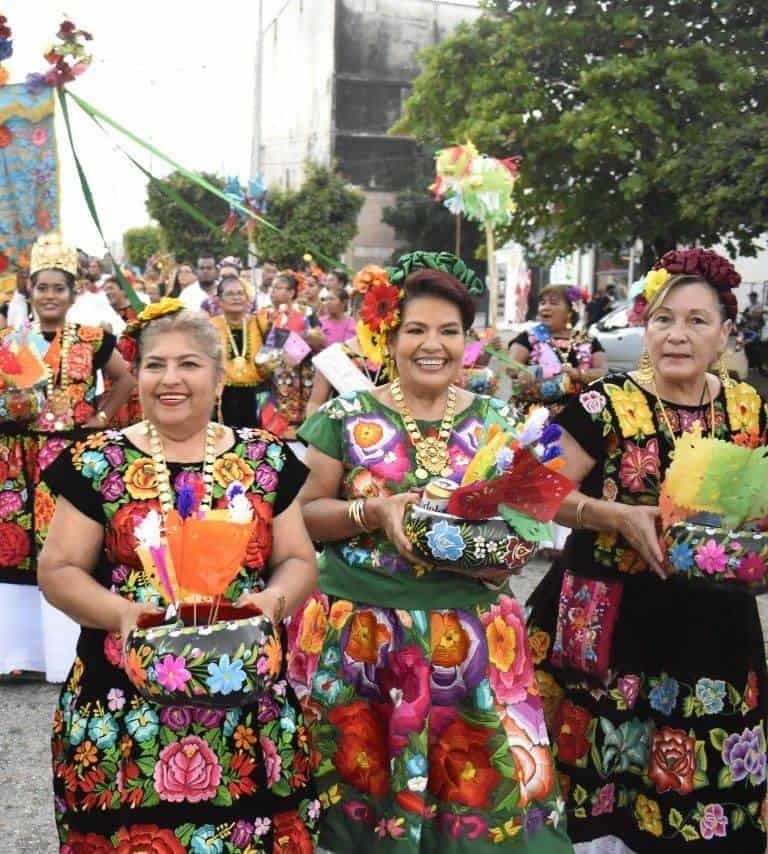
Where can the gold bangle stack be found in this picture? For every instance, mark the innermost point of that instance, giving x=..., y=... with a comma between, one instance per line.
x=356, y=514
x=280, y=609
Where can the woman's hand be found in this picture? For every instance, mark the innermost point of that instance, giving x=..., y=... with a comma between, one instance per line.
x=388, y=514
x=267, y=601
x=574, y=374
x=130, y=618
x=638, y=526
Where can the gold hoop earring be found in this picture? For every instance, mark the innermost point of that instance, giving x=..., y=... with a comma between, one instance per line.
x=645, y=373
x=723, y=372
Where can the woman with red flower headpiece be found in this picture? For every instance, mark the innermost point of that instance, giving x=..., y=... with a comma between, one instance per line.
x=655, y=684
x=427, y=727
x=34, y=636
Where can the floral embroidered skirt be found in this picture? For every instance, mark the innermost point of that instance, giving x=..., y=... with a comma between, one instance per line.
x=668, y=752
x=132, y=776
x=427, y=730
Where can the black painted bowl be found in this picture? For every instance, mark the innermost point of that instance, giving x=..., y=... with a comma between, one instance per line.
x=225, y=664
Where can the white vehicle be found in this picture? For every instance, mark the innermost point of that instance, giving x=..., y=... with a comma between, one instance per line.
x=623, y=344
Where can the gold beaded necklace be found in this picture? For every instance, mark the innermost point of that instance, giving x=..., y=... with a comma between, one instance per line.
x=239, y=356
x=432, y=457
x=162, y=476
x=58, y=399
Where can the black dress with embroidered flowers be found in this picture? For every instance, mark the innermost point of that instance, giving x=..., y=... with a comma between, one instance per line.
x=130, y=775
x=655, y=691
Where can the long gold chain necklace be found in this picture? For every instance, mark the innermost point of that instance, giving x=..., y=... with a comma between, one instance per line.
x=239, y=355
x=58, y=398
x=432, y=457
x=163, y=477
x=665, y=416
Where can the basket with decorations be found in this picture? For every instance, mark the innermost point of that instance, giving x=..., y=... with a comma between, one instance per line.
x=23, y=375
x=714, y=510
x=489, y=526
x=202, y=651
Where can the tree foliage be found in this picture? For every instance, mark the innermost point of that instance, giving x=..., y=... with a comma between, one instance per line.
x=421, y=222
x=141, y=243
x=318, y=217
x=187, y=236
x=624, y=114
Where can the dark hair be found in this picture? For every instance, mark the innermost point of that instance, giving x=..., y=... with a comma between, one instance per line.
x=341, y=275
x=68, y=277
x=227, y=280
x=436, y=283
x=206, y=255
x=290, y=280
x=340, y=293
x=110, y=279
x=562, y=292
x=268, y=261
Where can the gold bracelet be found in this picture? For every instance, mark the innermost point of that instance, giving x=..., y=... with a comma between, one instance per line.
x=356, y=514
x=103, y=417
x=580, y=513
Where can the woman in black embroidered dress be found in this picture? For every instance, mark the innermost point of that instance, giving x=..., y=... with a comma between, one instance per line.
x=655, y=686
x=128, y=774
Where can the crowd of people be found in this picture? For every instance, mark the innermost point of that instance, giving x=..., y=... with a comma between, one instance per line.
x=418, y=711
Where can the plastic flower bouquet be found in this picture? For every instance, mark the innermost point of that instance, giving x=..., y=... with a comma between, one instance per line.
x=202, y=651
x=493, y=521
x=23, y=375
x=714, y=507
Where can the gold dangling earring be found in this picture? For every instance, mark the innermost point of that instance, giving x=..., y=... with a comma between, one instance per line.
x=645, y=369
x=389, y=364
x=723, y=373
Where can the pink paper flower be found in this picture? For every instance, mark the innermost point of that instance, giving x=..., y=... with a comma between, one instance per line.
x=39, y=136
x=187, y=770
x=711, y=558
x=172, y=673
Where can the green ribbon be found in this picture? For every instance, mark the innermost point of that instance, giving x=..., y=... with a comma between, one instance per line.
x=187, y=173
x=133, y=297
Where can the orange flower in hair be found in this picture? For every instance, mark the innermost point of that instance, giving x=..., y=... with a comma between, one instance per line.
x=380, y=310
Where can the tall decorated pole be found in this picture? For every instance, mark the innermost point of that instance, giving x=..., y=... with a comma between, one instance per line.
x=479, y=187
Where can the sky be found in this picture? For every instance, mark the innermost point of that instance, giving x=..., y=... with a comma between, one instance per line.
x=177, y=74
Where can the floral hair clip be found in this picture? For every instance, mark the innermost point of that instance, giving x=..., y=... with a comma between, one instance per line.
x=369, y=277
x=167, y=305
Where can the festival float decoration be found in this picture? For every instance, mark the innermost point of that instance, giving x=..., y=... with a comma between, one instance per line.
x=488, y=527
x=714, y=510
x=23, y=375
x=203, y=651
x=480, y=188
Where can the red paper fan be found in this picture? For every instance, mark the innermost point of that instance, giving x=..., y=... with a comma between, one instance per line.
x=529, y=487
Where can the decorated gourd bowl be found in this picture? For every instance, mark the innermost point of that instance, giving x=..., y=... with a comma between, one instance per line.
x=228, y=663
x=22, y=404
x=706, y=553
x=489, y=551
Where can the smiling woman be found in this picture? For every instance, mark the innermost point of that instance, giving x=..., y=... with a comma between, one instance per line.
x=199, y=779
x=653, y=680
x=428, y=727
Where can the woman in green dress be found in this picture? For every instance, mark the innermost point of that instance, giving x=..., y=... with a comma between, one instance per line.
x=427, y=728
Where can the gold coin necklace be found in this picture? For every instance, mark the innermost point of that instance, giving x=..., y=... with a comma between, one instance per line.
x=162, y=476
x=58, y=398
x=432, y=457
x=239, y=355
